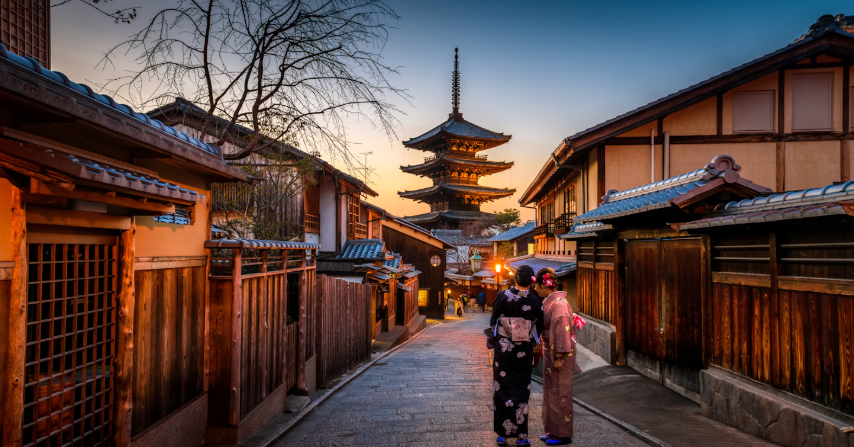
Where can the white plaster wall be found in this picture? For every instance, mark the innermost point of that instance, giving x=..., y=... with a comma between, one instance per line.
x=327, y=214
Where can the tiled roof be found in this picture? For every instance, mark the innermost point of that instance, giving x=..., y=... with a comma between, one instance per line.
x=485, y=274
x=394, y=261
x=562, y=268
x=402, y=221
x=458, y=127
x=181, y=108
x=580, y=231
x=664, y=193
x=456, y=238
x=449, y=215
x=446, y=159
x=454, y=188
x=363, y=249
x=256, y=243
x=816, y=202
x=828, y=24
x=453, y=275
x=515, y=233
x=83, y=89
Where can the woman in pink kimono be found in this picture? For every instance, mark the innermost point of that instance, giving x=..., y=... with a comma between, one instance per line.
x=558, y=359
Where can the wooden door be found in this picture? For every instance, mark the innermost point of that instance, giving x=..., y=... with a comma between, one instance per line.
x=681, y=312
x=643, y=336
x=664, y=287
x=71, y=306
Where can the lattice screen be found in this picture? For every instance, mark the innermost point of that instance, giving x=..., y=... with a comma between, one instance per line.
x=70, y=344
x=25, y=28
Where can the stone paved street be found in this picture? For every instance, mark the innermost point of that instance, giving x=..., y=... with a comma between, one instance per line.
x=435, y=391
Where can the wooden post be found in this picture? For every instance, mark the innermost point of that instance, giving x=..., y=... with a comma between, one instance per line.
x=207, y=343
x=123, y=367
x=301, y=389
x=15, y=357
x=236, y=338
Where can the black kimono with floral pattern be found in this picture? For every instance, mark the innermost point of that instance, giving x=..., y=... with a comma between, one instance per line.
x=513, y=361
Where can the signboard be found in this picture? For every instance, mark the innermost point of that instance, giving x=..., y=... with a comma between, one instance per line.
x=384, y=287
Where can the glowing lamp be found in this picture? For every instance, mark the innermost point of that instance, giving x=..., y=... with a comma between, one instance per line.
x=435, y=261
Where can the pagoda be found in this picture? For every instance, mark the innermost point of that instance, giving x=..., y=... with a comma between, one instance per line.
x=455, y=167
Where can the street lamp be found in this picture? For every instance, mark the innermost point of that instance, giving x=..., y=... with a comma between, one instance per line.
x=497, y=276
x=435, y=261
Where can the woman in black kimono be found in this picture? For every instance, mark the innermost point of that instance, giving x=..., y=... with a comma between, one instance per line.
x=516, y=320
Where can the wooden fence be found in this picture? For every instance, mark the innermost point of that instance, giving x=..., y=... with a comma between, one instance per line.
x=291, y=356
x=343, y=329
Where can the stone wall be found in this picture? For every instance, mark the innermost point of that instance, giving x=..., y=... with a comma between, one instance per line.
x=768, y=414
x=600, y=338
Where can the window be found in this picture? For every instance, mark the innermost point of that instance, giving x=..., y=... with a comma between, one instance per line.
x=811, y=101
x=352, y=208
x=423, y=294
x=569, y=200
x=183, y=215
x=753, y=111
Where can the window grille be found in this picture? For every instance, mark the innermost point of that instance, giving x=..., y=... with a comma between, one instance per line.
x=182, y=216
x=422, y=297
x=68, y=390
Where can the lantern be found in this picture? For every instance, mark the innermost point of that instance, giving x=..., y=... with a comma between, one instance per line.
x=435, y=261
x=476, y=262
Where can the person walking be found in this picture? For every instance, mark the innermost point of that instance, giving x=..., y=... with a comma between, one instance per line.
x=558, y=341
x=516, y=322
x=458, y=307
x=481, y=300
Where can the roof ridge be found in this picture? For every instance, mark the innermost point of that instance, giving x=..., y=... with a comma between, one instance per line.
x=720, y=166
x=789, y=198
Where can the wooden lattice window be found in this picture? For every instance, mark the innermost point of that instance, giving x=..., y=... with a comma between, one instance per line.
x=423, y=296
x=25, y=28
x=569, y=200
x=352, y=208
x=71, y=297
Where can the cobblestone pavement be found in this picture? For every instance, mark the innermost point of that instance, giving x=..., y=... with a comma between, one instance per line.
x=435, y=391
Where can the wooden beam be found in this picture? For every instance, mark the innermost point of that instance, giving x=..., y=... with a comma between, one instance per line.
x=733, y=138
x=91, y=196
x=600, y=175
x=51, y=144
x=83, y=219
x=16, y=353
x=301, y=389
x=781, y=101
x=123, y=368
x=846, y=99
x=236, y=338
x=781, y=167
x=719, y=114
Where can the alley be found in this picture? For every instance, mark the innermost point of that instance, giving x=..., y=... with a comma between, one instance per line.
x=436, y=390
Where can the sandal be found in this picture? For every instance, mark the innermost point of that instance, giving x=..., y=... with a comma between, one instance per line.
x=559, y=441
x=545, y=437
x=522, y=442
x=501, y=441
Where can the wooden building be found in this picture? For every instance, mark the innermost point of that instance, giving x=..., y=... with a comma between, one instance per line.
x=522, y=238
x=727, y=294
x=418, y=247
x=117, y=320
x=786, y=117
x=325, y=207
x=455, y=168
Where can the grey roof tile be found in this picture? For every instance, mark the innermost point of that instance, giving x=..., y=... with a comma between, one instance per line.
x=457, y=126
x=372, y=249
x=515, y=233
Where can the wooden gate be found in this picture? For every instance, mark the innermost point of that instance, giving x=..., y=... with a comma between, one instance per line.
x=68, y=391
x=664, y=296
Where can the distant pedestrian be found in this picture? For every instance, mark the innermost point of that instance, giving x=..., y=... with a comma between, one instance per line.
x=458, y=307
x=516, y=322
x=481, y=300
x=558, y=359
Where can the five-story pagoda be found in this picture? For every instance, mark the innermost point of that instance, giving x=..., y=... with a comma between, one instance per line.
x=455, y=168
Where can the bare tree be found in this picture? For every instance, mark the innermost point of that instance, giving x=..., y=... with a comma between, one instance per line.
x=293, y=71
x=122, y=15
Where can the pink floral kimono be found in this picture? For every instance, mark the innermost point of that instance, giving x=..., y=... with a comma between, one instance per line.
x=557, y=383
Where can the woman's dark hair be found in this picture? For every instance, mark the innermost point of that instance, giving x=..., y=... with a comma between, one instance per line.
x=552, y=275
x=523, y=276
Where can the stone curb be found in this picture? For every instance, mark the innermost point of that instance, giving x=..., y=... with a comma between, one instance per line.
x=313, y=406
x=634, y=431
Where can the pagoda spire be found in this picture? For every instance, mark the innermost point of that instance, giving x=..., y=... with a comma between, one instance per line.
x=455, y=82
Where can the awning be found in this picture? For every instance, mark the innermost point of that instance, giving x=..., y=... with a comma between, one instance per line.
x=378, y=276
x=404, y=288
x=256, y=243
x=412, y=274
x=352, y=279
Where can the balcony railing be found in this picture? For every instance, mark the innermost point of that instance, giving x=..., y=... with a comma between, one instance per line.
x=357, y=230
x=564, y=223
x=546, y=229
x=312, y=223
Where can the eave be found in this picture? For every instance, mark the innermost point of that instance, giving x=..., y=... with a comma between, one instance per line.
x=491, y=167
x=457, y=190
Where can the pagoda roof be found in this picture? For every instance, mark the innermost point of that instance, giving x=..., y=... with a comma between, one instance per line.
x=446, y=159
x=457, y=127
x=452, y=215
x=455, y=188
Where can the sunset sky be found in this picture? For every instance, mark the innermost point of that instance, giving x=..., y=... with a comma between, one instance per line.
x=540, y=71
